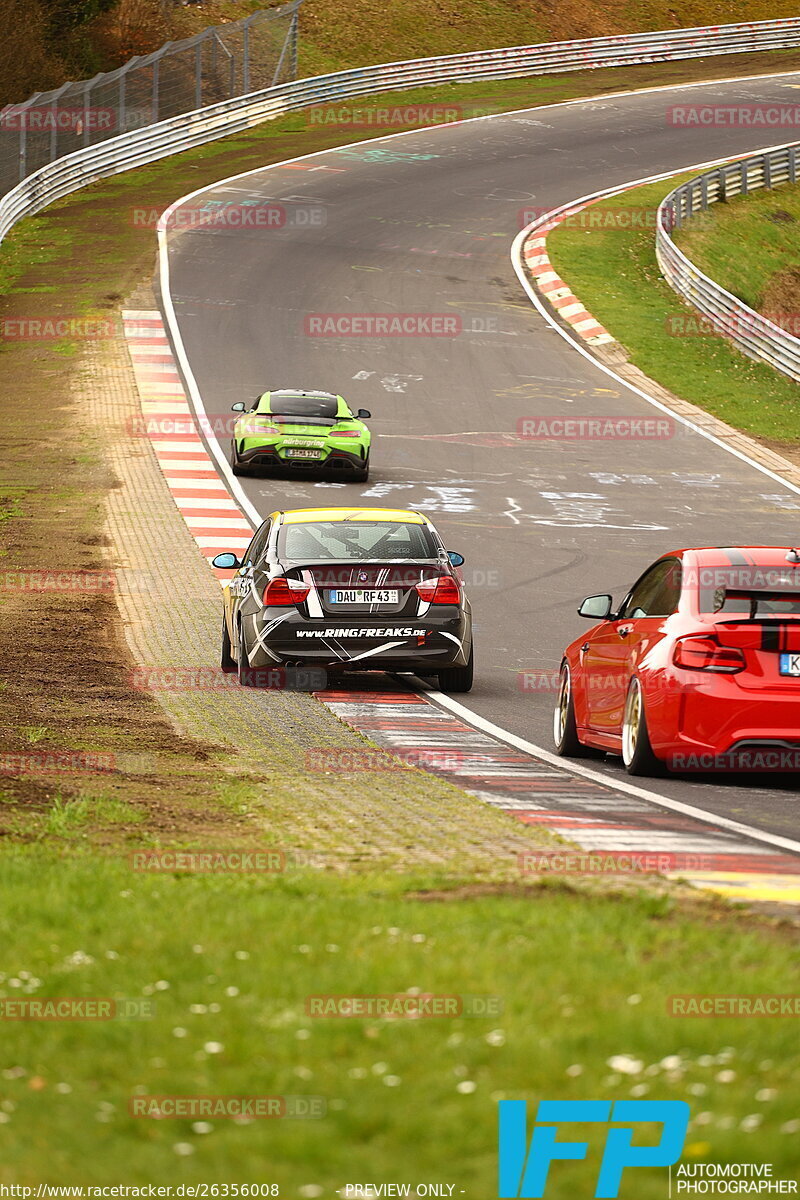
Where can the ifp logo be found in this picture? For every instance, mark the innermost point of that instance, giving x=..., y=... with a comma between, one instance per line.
x=523, y=1172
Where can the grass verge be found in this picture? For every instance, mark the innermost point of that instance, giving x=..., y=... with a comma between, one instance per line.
x=612, y=268
x=228, y=964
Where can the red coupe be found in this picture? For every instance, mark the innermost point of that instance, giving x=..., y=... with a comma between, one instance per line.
x=698, y=668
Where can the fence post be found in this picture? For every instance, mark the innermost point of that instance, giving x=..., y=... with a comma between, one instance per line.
x=723, y=186
x=793, y=164
x=198, y=72
x=294, y=33
x=154, y=98
x=246, y=58
x=767, y=171
x=122, y=117
x=743, y=176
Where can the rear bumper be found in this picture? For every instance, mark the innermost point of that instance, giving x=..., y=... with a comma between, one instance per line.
x=406, y=644
x=723, y=726
x=266, y=458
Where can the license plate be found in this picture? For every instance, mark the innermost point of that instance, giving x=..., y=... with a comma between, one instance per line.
x=365, y=596
x=790, y=664
x=303, y=453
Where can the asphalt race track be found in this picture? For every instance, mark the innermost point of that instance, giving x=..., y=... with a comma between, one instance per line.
x=423, y=223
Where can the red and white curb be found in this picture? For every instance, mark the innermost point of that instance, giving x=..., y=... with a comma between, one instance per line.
x=555, y=290
x=615, y=831
x=212, y=515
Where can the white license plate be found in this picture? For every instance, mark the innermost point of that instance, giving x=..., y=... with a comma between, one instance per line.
x=365, y=596
x=303, y=453
x=790, y=664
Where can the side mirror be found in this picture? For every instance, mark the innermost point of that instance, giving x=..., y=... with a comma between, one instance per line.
x=237, y=407
x=456, y=559
x=225, y=561
x=596, y=607
x=363, y=414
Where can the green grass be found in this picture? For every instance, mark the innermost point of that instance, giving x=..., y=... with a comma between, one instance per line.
x=613, y=271
x=229, y=961
x=746, y=243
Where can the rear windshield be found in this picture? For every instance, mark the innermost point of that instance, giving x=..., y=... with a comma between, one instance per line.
x=752, y=590
x=305, y=406
x=321, y=541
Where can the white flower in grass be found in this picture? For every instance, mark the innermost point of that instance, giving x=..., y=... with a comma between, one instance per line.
x=697, y=1089
x=63, y=1089
x=357, y=1072
x=467, y=1087
x=612, y=1081
x=303, y=1073
x=393, y=931
x=418, y=937
x=704, y=1118
x=751, y=1122
x=635, y=998
x=640, y=1089
x=790, y=1126
x=231, y=991
x=380, y=1068
x=112, y=954
x=376, y=929
x=303, y=949
x=180, y=1032
x=302, y=1035
x=653, y=1069
x=706, y=1060
x=202, y=1127
x=183, y=1149
x=242, y=954
x=625, y=1064
x=765, y=1094
x=198, y=1008
x=671, y=1063
x=161, y=985
x=391, y=1080
x=213, y=1047
x=725, y=1122
x=725, y=1076
x=214, y=1008
x=455, y=1039
x=197, y=948
x=575, y=1070
x=310, y=1190
x=4, y=1118
x=332, y=948
x=495, y=1037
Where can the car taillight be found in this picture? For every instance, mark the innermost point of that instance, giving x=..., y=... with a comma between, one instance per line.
x=282, y=592
x=255, y=428
x=702, y=653
x=442, y=589
x=351, y=433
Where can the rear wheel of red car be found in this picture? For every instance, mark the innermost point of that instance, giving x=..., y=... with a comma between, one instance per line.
x=637, y=752
x=565, y=729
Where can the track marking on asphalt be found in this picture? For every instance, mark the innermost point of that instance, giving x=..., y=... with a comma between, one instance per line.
x=255, y=518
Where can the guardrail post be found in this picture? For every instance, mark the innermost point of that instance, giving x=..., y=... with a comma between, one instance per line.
x=704, y=193
x=723, y=185
x=154, y=97
x=122, y=118
x=743, y=178
x=793, y=164
x=767, y=171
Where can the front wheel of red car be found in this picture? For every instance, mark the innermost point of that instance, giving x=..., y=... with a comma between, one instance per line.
x=565, y=729
x=637, y=751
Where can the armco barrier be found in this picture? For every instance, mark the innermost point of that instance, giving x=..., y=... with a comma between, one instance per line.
x=753, y=334
x=152, y=142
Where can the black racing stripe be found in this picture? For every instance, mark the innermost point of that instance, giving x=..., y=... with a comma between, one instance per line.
x=771, y=637
x=736, y=558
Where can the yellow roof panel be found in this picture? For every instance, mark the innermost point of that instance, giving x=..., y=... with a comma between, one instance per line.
x=303, y=516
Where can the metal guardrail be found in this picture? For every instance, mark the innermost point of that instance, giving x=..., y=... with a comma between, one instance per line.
x=216, y=64
x=755, y=335
x=145, y=145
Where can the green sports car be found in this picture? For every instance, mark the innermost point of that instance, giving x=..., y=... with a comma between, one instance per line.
x=300, y=431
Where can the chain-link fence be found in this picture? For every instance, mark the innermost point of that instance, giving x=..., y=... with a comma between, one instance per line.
x=221, y=62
